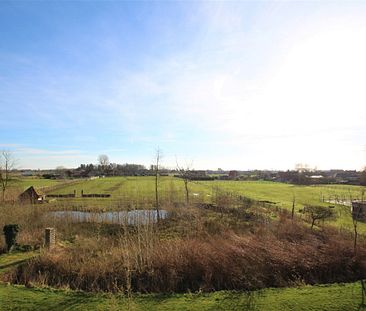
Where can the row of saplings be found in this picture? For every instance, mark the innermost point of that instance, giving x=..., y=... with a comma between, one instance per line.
x=10, y=233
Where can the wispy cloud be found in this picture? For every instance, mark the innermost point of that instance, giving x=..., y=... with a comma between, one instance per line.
x=44, y=152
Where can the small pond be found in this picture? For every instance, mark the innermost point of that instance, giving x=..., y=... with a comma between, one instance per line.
x=134, y=217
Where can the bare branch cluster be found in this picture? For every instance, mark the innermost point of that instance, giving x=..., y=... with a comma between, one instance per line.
x=7, y=164
x=186, y=174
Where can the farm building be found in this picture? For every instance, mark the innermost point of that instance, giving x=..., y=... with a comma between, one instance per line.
x=31, y=196
x=233, y=174
x=359, y=209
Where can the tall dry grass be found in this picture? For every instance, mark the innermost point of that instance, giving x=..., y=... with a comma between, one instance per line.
x=280, y=255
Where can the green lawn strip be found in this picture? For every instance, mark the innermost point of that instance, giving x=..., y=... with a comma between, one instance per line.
x=313, y=298
x=14, y=257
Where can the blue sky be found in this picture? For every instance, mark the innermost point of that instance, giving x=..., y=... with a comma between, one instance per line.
x=221, y=84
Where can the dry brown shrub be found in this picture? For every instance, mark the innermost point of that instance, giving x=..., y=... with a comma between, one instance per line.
x=283, y=256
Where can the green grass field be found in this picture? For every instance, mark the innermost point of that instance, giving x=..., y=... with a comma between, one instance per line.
x=323, y=297
x=283, y=194
x=25, y=182
x=280, y=193
x=138, y=192
x=135, y=192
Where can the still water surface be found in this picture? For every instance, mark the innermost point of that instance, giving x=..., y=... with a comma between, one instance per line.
x=121, y=217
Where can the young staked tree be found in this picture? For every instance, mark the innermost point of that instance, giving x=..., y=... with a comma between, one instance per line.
x=316, y=212
x=156, y=167
x=6, y=165
x=293, y=206
x=186, y=175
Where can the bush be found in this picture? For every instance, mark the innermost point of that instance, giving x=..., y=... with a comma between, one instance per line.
x=10, y=232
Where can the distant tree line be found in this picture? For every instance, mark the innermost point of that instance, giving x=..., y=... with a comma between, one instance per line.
x=322, y=177
x=92, y=170
x=111, y=169
x=302, y=175
x=290, y=176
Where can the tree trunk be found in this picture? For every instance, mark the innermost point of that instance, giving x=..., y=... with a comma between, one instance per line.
x=355, y=238
x=312, y=223
x=187, y=191
x=157, y=196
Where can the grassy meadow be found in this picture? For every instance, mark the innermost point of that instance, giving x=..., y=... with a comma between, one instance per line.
x=230, y=255
x=23, y=183
x=143, y=187
x=282, y=194
x=139, y=193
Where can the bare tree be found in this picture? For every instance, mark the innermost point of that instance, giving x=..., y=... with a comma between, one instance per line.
x=156, y=167
x=186, y=175
x=60, y=170
x=316, y=212
x=7, y=163
x=293, y=206
x=103, y=161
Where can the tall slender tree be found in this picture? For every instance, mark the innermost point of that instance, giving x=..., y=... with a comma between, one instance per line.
x=7, y=163
x=156, y=166
x=186, y=175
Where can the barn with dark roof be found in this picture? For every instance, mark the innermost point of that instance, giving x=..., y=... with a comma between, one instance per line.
x=31, y=196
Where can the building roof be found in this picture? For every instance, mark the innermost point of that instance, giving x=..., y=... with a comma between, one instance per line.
x=31, y=189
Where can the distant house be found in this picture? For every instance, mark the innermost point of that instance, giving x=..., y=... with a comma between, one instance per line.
x=31, y=196
x=197, y=173
x=359, y=209
x=316, y=176
x=233, y=174
x=348, y=177
x=27, y=173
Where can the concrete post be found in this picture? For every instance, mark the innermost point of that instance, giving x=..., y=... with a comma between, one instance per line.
x=50, y=237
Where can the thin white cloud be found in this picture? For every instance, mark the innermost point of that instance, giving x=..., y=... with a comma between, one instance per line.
x=35, y=151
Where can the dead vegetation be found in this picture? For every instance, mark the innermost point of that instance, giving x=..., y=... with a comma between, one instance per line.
x=195, y=249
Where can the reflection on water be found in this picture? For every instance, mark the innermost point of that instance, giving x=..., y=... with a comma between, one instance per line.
x=121, y=217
